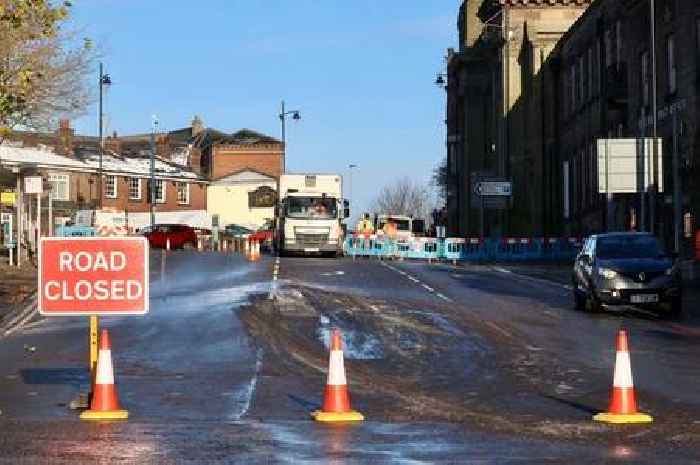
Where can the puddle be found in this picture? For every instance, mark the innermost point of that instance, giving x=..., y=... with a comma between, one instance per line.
x=357, y=345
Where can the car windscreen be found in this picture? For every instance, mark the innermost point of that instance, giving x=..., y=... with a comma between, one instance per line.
x=323, y=208
x=631, y=246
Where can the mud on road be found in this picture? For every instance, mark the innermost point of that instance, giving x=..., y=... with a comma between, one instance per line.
x=409, y=361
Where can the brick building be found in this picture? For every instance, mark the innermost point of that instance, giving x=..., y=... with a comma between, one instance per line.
x=186, y=161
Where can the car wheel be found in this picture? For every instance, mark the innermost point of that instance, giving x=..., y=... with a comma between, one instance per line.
x=592, y=304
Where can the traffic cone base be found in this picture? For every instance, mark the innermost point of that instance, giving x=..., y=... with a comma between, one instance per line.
x=109, y=415
x=623, y=402
x=330, y=417
x=619, y=418
x=104, y=404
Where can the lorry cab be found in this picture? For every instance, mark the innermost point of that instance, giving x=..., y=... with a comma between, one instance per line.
x=310, y=214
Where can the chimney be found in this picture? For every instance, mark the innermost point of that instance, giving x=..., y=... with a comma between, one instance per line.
x=163, y=146
x=195, y=162
x=197, y=125
x=113, y=144
x=65, y=134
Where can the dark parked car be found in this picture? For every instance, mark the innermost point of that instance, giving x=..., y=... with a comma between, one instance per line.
x=626, y=269
x=181, y=236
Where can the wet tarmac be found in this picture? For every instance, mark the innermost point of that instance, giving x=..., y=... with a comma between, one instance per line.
x=201, y=389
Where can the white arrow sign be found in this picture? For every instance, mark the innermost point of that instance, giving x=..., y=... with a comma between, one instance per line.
x=485, y=188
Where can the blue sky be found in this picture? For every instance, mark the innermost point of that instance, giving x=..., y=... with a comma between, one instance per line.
x=361, y=72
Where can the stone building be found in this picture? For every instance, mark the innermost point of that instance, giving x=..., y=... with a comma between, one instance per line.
x=496, y=95
x=531, y=103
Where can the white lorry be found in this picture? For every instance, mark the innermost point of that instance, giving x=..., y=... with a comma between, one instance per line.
x=310, y=214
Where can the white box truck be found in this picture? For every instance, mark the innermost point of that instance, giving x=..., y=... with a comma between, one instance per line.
x=310, y=214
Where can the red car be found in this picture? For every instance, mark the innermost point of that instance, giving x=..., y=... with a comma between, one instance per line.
x=181, y=236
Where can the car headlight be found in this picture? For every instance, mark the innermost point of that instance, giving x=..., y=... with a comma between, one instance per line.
x=607, y=273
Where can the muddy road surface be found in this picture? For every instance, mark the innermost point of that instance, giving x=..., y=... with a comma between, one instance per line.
x=449, y=365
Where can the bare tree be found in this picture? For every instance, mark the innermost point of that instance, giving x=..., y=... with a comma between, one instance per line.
x=405, y=197
x=440, y=179
x=43, y=68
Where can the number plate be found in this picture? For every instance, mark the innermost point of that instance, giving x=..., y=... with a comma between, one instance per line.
x=311, y=250
x=644, y=298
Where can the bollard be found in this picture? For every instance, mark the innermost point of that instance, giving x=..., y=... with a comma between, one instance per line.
x=199, y=244
x=224, y=245
x=167, y=244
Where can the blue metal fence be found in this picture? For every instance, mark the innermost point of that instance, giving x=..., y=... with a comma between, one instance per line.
x=465, y=250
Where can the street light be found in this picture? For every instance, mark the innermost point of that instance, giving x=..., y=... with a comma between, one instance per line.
x=350, y=167
x=441, y=80
x=104, y=80
x=296, y=116
x=154, y=127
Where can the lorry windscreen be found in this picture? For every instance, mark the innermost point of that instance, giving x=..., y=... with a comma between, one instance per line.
x=312, y=208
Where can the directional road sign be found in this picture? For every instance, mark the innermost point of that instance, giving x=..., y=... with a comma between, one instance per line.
x=488, y=188
x=93, y=276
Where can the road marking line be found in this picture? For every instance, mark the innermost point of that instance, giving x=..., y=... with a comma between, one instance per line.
x=413, y=279
x=428, y=288
x=251, y=386
x=531, y=278
x=443, y=297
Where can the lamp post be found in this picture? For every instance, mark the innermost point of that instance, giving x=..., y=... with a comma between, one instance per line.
x=154, y=127
x=296, y=116
x=104, y=80
x=350, y=167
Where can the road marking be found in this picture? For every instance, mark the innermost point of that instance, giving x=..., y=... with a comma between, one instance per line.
x=250, y=391
x=443, y=297
x=413, y=279
x=530, y=278
x=428, y=288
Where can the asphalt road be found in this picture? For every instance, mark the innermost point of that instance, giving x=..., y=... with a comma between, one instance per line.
x=200, y=388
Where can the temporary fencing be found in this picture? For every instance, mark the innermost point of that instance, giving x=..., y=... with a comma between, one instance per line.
x=471, y=249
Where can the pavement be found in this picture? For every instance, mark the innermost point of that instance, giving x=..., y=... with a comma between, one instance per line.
x=448, y=364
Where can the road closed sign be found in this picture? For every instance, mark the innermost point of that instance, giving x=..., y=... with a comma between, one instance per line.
x=93, y=276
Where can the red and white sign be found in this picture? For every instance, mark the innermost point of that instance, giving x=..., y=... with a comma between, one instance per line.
x=93, y=276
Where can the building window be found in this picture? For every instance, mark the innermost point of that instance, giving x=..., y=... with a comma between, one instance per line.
x=183, y=193
x=59, y=186
x=645, y=79
x=697, y=35
x=618, y=43
x=594, y=172
x=572, y=83
x=567, y=190
x=134, y=189
x=159, y=188
x=608, y=48
x=581, y=81
x=111, y=187
x=590, y=73
x=688, y=224
x=598, y=64
x=671, y=63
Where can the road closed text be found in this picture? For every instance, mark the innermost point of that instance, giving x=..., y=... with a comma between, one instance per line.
x=93, y=276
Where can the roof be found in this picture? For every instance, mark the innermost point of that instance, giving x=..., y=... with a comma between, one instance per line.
x=545, y=3
x=88, y=161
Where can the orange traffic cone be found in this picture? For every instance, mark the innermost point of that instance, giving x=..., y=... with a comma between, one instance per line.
x=336, y=399
x=105, y=404
x=623, y=404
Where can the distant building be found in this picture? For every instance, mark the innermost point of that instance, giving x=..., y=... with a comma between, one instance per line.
x=186, y=162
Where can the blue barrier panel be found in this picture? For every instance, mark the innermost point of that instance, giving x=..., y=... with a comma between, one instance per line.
x=453, y=249
x=75, y=231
